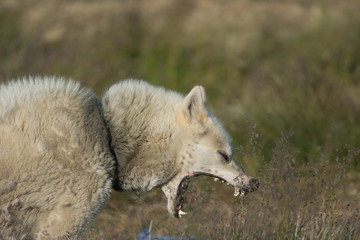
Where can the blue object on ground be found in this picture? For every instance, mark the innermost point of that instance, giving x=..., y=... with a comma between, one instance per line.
x=147, y=235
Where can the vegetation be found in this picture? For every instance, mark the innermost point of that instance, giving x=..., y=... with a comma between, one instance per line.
x=283, y=76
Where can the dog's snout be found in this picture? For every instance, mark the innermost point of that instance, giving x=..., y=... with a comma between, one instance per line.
x=254, y=184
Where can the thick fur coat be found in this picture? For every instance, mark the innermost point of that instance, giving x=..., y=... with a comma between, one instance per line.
x=57, y=168
x=62, y=151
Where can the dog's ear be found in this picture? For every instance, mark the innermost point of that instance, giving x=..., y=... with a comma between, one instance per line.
x=193, y=108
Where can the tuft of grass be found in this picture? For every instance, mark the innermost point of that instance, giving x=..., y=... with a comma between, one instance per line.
x=298, y=201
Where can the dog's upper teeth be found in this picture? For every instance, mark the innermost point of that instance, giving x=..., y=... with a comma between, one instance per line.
x=237, y=192
x=242, y=193
x=181, y=212
x=223, y=181
x=216, y=179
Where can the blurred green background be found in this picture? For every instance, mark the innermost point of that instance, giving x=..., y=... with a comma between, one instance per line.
x=289, y=65
x=286, y=65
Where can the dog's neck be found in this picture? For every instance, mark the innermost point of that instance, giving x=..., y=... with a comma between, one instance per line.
x=143, y=137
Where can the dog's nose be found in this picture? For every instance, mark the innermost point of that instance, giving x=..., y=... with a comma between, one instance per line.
x=254, y=184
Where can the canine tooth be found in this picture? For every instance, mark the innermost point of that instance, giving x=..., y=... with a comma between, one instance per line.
x=222, y=181
x=228, y=184
x=237, y=192
x=181, y=212
x=242, y=193
x=216, y=179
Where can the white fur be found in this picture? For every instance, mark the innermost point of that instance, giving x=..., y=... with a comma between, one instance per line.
x=62, y=150
x=24, y=91
x=56, y=165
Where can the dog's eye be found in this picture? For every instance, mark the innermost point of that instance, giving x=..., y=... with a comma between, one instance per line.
x=224, y=156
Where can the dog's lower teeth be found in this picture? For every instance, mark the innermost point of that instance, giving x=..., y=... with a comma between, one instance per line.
x=181, y=212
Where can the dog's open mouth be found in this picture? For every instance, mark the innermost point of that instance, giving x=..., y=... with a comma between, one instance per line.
x=180, y=200
x=179, y=206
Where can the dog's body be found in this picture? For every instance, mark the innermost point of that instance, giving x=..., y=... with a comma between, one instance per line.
x=56, y=164
x=62, y=151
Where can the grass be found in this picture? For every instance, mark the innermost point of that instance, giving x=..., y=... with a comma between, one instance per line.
x=295, y=201
x=283, y=77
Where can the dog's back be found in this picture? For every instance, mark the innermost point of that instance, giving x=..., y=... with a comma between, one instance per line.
x=54, y=156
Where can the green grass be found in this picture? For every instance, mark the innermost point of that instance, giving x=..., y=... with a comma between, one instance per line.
x=295, y=201
x=288, y=71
